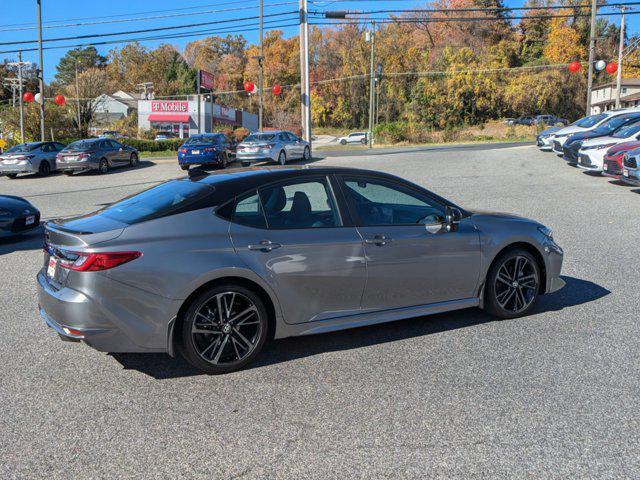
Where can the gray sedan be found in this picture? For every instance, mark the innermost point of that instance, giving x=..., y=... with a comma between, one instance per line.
x=213, y=265
x=96, y=154
x=277, y=146
x=34, y=157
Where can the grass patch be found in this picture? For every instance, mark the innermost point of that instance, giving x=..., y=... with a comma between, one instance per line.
x=162, y=153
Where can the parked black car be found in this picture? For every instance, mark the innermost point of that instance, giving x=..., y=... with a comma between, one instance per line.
x=17, y=216
x=96, y=154
x=574, y=142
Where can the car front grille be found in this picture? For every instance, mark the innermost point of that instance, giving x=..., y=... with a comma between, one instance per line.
x=557, y=146
x=584, y=160
x=630, y=162
x=19, y=224
x=612, y=167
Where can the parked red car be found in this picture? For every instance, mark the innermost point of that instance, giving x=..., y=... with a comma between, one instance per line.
x=612, y=166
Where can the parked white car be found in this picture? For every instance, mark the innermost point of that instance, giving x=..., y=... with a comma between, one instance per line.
x=585, y=124
x=592, y=152
x=354, y=137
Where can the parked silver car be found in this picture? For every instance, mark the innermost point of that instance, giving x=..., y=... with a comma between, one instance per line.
x=276, y=146
x=96, y=154
x=34, y=157
x=214, y=264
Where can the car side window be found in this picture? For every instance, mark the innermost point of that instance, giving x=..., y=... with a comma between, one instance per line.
x=58, y=146
x=382, y=202
x=47, y=147
x=115, y=144
x=303, y=204
x=245, y=211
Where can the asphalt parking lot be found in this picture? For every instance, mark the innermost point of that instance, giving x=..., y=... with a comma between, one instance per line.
x=553, y=395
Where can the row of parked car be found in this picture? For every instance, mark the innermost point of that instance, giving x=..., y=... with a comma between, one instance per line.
x=42, y=158
x=606, y=143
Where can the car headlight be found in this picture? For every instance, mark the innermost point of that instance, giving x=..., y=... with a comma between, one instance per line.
x=546, y=231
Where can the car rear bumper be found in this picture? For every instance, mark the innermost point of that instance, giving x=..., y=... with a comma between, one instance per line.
x=78, y=165
x=218, y=159
x=118, y=325
x=9, y=169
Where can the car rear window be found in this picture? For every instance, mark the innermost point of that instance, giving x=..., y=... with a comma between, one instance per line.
x=24, y=147
x=204, y=139
x=82, y=145
x=176, y=196
x=259, y=137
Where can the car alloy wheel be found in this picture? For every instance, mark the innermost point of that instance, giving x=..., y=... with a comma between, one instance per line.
x=306, y=156
x=513, y=284
x=44, y=168
x=224, y=329
x=133, y=161
x=282, y=158
x=104, y=166
x=343, y=142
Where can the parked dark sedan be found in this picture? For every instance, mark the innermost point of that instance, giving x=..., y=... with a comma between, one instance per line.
x=17, y=216
x=96, y=154
x=208, y=149
x=574, y=142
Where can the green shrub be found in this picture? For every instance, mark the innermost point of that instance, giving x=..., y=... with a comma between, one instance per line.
x=392, y=132
x=152, y=146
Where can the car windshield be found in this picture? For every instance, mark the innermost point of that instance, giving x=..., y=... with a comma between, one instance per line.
x=204, y=139
x=590, y=121
x=627, y=130
x=259, y=137
x=23, y=147
x=613, y=124
x=161, y=200
x=82, y=145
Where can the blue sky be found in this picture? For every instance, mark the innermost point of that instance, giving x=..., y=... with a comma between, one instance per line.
x=19, y=15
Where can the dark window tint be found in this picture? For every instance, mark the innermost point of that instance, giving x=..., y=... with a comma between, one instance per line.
x=115, y=144
x=590, y=121
x=82, y=145
x=23, y=147
x=247, y=211
x=379, y=202
x=614, y=123
x=169, y=198
x=204, y=139
x=259, y=137
x=627, y=130
x=306, y=204
x=58, y=146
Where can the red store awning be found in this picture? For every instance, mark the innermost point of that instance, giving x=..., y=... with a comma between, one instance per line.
x=163, y=117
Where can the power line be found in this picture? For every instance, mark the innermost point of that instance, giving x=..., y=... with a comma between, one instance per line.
x=366, y=20
x=235, y=29
x=148, y=30
x=156, y=17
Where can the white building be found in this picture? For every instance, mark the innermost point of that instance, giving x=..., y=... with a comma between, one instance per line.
x=181, y=116
x=109, y=108
x=603, y=97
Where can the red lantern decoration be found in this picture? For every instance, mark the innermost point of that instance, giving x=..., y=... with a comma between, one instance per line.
x=59, y=100
x=28, y=97
x=611, y=68
x=277, y=89
x=574, y=67
x=248, y=86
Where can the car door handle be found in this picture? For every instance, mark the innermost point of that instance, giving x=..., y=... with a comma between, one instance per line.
x=380, y=240
x=264, y=246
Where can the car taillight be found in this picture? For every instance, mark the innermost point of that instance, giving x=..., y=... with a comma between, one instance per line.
x=182, y=150
x=94, y=262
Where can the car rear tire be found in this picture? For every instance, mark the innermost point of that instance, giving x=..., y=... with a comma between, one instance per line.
x=44, y=169
x=184, y=167
x=343, y=142
x=12, y=176
x=363, y=141
x=238, y=324
x=282, y=157
x=103, y=166
x=133, y=161
x=512, y=284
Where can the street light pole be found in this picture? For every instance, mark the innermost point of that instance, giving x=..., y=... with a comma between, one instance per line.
x=620, y=48
x=260, y=69
x=372, y=93
x=592, y=47
x=305, y=90
x=40, y=69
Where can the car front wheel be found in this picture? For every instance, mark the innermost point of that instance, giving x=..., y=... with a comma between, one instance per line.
x=44, y=168
x=282, y=158
x=224, y=329
x=512, y=284
x=103, y=166
x=133, y=161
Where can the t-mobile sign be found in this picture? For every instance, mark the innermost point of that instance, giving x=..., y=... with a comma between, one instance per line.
x=169, y=106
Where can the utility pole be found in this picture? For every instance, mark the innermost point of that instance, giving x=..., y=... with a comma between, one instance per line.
x=78, y=100
x=41, y=69
x=372, y=80
x=199, y=101
x=620, y=48
x=305, y=91
x=592, y=47
x=260, y=69
x=20, y=85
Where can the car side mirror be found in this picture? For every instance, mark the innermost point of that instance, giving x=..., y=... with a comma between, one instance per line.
x=452, y=217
